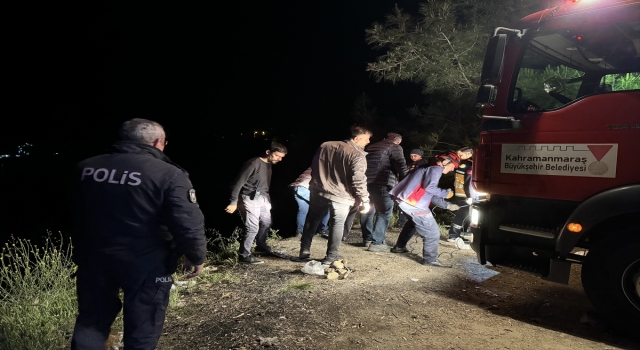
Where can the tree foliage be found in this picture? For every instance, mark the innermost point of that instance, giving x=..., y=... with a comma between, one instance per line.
x=442, y=49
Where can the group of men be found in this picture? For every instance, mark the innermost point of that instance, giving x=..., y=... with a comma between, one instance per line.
x=344, y=178
x=136, y=214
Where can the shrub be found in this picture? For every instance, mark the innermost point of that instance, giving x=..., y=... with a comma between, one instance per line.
x=223, y=250
x=37, y=294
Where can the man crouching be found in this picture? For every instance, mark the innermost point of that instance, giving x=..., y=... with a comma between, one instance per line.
x=413, y=195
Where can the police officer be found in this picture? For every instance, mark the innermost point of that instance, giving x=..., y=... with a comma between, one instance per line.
x=135, y=214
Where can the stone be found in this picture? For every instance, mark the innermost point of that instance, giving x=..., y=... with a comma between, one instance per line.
x=337, y=264
x=346, y=274
x=332, y=275
x=267, y=342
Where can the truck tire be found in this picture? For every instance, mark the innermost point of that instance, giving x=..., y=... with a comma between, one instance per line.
x=610, y=277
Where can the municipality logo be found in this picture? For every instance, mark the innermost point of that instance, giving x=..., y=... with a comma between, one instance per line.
x=599, y=151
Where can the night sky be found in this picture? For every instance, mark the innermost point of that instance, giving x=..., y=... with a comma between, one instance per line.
x=80, y=70
x=207, y=72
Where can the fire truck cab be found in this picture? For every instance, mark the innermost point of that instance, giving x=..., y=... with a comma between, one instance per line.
x=559, y=151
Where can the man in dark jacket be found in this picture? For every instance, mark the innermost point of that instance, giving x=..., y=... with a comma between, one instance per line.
x=417, y=160
x=135, y=214
x=385, y=164
x=250, y=193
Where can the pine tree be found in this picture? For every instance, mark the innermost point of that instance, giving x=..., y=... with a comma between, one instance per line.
x=442, y=49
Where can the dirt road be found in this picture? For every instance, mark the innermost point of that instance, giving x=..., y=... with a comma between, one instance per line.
x=390, y=301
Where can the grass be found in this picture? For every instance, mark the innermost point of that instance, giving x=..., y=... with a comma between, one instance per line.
x=296, y=286
x=37, y=294
x=223, y=250
x=38, y=301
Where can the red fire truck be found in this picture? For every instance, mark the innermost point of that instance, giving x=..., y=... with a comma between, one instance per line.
x=559, y=151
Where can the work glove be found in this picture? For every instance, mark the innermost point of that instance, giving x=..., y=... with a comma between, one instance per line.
x=453, y=207
x=449, y=194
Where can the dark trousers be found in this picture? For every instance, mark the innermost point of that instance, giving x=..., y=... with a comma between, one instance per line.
x=146, y=296
x=256, y=214
x=338, y=213
x=382, y=208
x=348, y=223
x=422, y=223
x=457, y=225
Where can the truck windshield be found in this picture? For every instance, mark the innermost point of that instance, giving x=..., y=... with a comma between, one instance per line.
x=559, y=67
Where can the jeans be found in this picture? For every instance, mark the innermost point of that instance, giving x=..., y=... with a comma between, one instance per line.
x=421, y=222
x=348, y=223
x=301, y=195
x=382, y=207
x=338, y=212
x=256, y=214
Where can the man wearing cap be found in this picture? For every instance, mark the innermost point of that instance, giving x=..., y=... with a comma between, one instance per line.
x=413, y=195
x=417, y=162
x=416, y=157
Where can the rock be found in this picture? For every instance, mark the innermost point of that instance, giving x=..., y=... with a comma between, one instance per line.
x=266, y=342
x=332, y=275
x=313, y=267
x=337, y=264
x=329, y=270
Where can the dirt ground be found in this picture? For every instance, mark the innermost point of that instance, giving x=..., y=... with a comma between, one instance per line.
x=390, y=301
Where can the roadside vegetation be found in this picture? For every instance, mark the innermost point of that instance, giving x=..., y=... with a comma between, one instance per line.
x=38, y=301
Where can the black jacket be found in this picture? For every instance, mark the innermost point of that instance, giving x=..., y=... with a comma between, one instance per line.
x=385, y=164
x=135, y=208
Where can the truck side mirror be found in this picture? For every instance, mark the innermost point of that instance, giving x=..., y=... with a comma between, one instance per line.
x=493, y=59
x=486, y=95
x=491, y=70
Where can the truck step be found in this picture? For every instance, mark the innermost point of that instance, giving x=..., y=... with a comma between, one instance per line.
x=529, y=230
x=524, y=267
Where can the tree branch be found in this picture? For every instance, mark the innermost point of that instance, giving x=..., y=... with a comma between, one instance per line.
x=457, y=60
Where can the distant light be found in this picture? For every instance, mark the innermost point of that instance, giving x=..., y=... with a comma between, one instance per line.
x=574, y=227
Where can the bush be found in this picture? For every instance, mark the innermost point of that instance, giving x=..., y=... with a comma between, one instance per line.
x=223, y=250
x=37, y=294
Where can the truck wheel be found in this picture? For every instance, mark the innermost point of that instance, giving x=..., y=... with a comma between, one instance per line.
x=611, y=279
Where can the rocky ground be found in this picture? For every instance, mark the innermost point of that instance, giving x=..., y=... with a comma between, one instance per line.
x=389, y=301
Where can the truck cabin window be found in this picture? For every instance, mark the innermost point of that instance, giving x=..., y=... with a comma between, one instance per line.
x=560, y=67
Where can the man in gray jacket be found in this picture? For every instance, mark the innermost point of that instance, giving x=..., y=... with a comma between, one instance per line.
x=385, y=165
x=338, y=182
